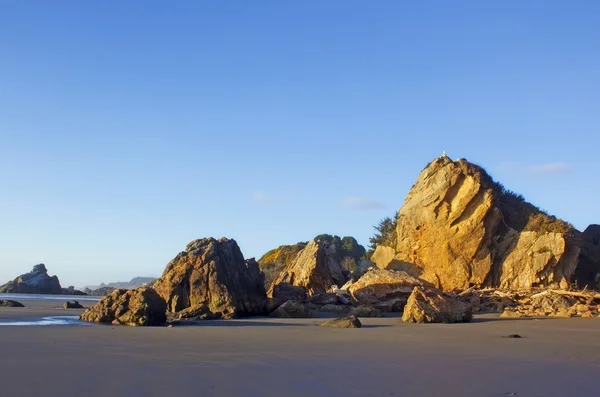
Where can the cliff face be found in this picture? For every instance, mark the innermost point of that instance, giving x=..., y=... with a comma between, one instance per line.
x=459, y=228
x=588, y=268
x=37, y=281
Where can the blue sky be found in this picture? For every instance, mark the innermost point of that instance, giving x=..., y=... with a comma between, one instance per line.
x=129, y=128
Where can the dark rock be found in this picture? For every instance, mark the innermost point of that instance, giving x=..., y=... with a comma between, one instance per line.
x=73, y=305
x=344, y=322
x=587, y=273
x=324, y=299
x=288, y=292
x=9, y=303
x=137, y=307
x=292, y=309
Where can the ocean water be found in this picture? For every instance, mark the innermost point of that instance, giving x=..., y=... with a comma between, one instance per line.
x=64, y=298
x=53, y=320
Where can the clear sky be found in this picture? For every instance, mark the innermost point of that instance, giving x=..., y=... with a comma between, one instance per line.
x=129, y=128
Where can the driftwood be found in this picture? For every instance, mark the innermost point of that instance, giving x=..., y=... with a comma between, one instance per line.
x=575, y=294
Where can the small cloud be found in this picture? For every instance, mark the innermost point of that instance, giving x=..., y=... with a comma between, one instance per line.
x=264, y=198
x=361, y=204
x=550, y=169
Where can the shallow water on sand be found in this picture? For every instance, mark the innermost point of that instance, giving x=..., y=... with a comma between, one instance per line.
x=53, y=320
x=82, y=298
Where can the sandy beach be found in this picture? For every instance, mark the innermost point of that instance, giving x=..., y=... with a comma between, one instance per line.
x=268, y=357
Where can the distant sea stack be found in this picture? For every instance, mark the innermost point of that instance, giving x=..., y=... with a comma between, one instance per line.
x=37, y=281
x=459, y=228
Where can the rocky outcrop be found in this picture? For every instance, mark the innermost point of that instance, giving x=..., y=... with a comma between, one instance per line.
x=137, y=307
x=343, y=322
x=213, y=276
x=432, y=306
x=458, y=228
x=9, y=303
x=346, y=251
x=36, y=281
x=274, y=261
x=72, y=305
x=315, y=268
x=587, y=273
x=384, y=289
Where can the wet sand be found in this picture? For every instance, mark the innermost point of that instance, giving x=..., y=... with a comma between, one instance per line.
x=266, y=357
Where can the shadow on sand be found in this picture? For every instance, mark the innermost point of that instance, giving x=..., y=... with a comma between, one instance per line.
x=264, y=322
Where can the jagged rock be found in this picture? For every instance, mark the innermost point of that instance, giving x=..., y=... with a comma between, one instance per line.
x=36, y=281
x=366, y=311
x=288, y=292
x=432, y=306
x=292, y=309
x=274, y=261
x=137, y=307
x=459, y=228
x=587, y=273
x=344, y=322
x=316, y=269
x=9, y=303
x=386, y=290
x=73, y=305
x=213, y=273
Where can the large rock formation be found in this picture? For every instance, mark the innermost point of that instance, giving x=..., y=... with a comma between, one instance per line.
x=137, y=307
x=588, y=268
x=274, y=261
x=432, y=306
x=346, y=250
x=316, y=268
x=384, y=289
x=36, y=281
x=212, y=277
x=459, y=228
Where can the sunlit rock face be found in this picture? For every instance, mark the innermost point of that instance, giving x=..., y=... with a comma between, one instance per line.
x=459, y=228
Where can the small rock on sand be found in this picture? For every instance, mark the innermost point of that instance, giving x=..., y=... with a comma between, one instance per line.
x=343, y=322
x=9, y=303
